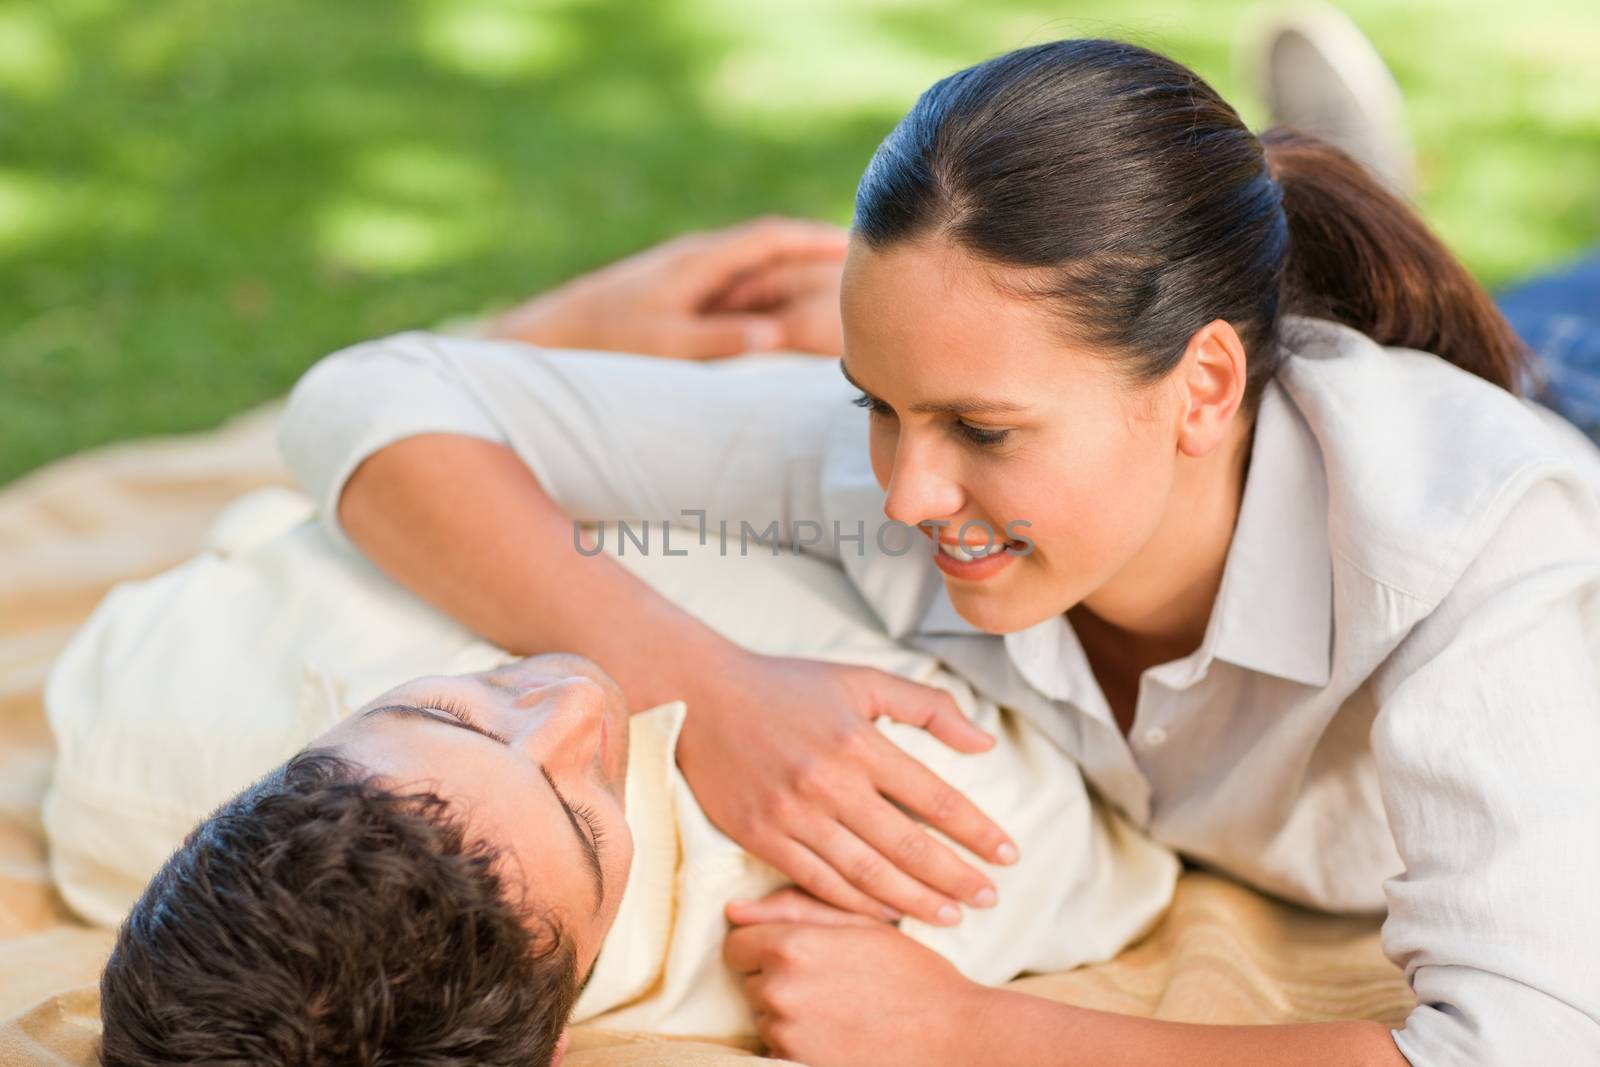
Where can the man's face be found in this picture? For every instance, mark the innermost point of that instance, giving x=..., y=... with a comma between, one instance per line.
x=534, y=756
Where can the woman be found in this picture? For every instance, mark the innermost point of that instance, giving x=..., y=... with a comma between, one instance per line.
x=1307, y=591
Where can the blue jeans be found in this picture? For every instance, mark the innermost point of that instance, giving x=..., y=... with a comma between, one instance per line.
x=1558, y=315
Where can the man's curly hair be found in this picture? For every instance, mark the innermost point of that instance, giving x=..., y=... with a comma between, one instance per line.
x=319, y=918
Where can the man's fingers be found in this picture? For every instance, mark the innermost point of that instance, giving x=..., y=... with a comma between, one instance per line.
x=903, y=779
x=755, y=290
x=725, y=254
x=812, y=324
x=792, y=905
x=767, y=286
x=715, y=336
x=749, y=950
x=746, y=948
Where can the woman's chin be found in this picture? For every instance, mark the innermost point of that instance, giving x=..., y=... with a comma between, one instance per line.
x=996, y=612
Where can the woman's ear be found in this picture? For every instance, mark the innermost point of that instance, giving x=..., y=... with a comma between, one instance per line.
x=1211, y=378
x=561, y=1049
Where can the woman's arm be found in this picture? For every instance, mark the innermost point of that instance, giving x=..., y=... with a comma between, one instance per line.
x=1486, y=742
x=465, y=525
x=389, y=436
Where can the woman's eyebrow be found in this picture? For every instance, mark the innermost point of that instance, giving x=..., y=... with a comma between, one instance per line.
x=851, y=379
x=960, y=405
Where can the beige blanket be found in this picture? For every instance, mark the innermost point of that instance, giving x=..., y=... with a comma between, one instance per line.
x=67, y=533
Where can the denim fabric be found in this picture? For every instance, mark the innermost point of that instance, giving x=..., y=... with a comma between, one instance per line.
x=1558, y=315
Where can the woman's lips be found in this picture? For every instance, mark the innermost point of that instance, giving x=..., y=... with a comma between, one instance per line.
x=949, y=559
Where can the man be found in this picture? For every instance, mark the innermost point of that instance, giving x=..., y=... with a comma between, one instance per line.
x=466, y=850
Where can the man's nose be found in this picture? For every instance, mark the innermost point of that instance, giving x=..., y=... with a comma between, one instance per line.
x=568, y=730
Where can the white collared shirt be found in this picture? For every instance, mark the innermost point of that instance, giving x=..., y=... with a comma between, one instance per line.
x=1395, y=705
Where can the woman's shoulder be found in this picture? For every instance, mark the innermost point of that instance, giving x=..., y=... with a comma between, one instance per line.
x=1423, y=460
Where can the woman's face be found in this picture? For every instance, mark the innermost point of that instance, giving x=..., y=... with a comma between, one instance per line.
x=534, y=756
x=980, y=412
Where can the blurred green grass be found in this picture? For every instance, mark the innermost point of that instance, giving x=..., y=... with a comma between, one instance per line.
x=200, y=197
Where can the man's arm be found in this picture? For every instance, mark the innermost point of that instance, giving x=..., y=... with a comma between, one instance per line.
x=871, y=997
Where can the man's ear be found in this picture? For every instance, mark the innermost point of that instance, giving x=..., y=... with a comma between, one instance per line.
x=561, y=1049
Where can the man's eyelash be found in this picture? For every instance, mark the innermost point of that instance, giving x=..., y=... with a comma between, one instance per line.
x=461, y=714
x=582, y=811
x=587, y=814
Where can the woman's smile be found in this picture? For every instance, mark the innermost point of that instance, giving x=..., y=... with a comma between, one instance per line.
x=974, y=561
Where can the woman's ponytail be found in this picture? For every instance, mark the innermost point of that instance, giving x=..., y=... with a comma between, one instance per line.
x=1137, y=206
x=1360, y=255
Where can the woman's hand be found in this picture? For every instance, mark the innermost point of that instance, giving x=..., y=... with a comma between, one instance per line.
x=832, y=993
x=771, y=282
x=783, y=756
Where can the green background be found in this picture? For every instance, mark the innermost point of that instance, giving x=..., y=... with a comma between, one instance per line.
x=198, y=199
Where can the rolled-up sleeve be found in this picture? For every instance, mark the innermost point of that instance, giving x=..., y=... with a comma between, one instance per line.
x=609, y=436
x=1488, y=752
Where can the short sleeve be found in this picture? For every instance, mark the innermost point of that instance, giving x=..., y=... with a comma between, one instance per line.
x=610, y=436
x=1486, y=745
x=1087, y=883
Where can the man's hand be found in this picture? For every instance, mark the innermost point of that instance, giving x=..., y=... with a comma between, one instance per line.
x=791, y=904
x=845, y=990
x=772, y=282
x=803, y=295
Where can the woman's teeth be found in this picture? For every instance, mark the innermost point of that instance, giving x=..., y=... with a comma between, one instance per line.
x=968, y=555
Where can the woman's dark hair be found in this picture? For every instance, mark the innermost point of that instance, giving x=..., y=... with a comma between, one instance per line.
x=321, y=919
x=1146, y=209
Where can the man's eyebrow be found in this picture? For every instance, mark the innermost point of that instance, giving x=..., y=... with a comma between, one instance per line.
x=961, y=405
x=590, y=855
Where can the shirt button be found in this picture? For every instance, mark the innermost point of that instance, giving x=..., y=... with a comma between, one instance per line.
x=1155, y=736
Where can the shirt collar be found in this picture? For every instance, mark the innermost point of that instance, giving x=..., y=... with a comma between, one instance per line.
x=1274, y=609
x=633, y=956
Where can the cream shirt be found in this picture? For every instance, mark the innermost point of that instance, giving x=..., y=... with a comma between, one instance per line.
x=183, y=688
x=1395, y=705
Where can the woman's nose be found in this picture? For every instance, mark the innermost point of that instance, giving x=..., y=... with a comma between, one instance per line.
x=917, y=491
x=565, y=716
